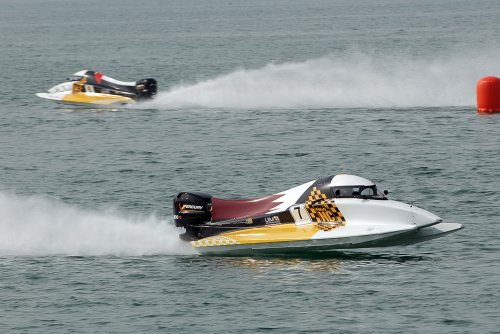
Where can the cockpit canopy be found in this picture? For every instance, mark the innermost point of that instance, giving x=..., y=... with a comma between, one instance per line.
x=368, y=192
x=78, y=76
x=75, y=78
x=352, y=186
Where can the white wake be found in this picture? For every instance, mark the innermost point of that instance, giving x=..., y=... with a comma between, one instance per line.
x=41, y=226
x=346, y=81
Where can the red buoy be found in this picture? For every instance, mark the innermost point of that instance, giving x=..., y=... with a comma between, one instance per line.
x=488, y=95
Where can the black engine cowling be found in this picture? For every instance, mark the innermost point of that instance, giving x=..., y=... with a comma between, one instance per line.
x=145, y=88
x=190, y=211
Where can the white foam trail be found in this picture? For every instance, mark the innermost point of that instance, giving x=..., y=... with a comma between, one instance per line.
x=348, y=81
x=41, y=226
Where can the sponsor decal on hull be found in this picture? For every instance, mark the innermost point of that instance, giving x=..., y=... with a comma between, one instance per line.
x=300, y=223
x=272, y=220
x=323, y=211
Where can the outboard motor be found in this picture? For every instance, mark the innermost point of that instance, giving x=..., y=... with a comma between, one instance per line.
x=145, y=88
x=190, y=211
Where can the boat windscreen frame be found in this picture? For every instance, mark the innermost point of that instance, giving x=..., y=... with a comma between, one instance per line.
x=75, y=78
x=356, y=191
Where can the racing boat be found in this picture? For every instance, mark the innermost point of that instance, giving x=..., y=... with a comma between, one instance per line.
x=94, y=88
x=335, y=212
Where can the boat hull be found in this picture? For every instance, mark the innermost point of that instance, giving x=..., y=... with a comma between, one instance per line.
x=93, y=99
x=403, y=236
x=328, y=213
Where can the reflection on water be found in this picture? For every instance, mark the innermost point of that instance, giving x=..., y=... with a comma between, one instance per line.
x=323, y=261
x=89, y=108
x=336, y=254
x=258, y=264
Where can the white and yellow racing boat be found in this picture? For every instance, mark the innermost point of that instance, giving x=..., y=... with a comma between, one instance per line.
x=335, y=212
x=94, y=88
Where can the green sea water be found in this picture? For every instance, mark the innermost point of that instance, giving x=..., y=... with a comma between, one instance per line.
x=254, y=98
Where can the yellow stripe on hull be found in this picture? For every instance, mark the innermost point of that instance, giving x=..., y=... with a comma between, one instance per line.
x=265, y=234
x=102, y=99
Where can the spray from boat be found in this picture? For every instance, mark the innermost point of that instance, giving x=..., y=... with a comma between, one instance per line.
x=340, y=81
x=38, y=226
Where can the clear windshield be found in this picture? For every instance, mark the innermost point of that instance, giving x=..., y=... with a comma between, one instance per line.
x=366, y=192
x=75, y=78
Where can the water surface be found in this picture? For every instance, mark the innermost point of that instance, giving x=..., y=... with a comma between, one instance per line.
x=255, y=98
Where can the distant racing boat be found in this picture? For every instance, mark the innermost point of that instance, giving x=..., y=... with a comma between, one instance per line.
x=94, y=88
